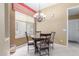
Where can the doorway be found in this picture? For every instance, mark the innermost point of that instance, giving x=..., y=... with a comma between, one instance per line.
x=73, y=26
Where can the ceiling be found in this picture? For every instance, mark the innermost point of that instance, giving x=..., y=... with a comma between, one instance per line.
x=35, y=6
x=74, y=11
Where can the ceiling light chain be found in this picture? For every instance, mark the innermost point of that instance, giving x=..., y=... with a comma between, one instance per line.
x=39, y=16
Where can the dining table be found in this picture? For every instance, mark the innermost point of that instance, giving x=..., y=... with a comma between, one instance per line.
x=36, y=39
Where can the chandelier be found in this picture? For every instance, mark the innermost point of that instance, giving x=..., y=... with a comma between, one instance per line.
x=39, y=16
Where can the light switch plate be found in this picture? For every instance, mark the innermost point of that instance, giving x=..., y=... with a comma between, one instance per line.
x=64, y=30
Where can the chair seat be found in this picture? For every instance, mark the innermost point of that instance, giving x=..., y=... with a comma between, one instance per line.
x=31, y=42
x=43, y=46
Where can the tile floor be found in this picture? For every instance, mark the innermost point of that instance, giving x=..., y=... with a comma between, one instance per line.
x=58, y=50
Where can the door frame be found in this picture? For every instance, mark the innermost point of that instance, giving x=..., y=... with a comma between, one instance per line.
x=68, y=19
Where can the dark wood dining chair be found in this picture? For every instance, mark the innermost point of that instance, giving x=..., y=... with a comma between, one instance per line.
x=44, y=43
x=29, y=42
x=45, y=35
x=43, y=46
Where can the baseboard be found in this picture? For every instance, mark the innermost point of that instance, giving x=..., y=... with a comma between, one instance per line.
x=61, y=45
x=73, y=41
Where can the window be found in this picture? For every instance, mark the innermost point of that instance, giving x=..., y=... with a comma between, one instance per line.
x=30, y=28
x=22, y=27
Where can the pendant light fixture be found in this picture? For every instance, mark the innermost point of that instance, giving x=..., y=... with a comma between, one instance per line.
x=39, y=16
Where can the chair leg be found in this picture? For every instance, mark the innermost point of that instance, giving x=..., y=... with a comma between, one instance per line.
x=48, y=52
x=28, y=49
x=40, y=53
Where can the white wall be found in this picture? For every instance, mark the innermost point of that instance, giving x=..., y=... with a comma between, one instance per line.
x=4, y=44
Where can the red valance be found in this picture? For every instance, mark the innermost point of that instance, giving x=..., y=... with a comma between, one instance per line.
x=21, y=7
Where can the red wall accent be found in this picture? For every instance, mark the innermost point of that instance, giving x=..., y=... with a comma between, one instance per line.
x=22, y=8
x=22, y=4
